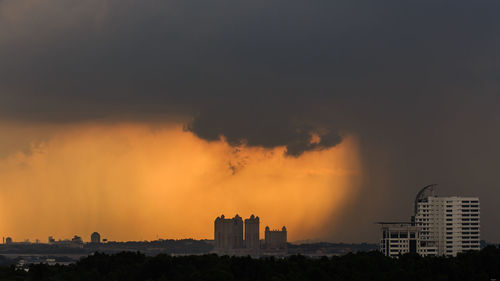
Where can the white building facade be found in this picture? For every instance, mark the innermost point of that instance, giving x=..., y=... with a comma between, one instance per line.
x=399, y=238
x=448, y=225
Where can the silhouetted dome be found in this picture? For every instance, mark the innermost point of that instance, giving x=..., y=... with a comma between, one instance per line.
x=95, y=237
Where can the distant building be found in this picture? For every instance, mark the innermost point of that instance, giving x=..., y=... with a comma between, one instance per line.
x=228, y=234
x=95, y=238
x=8, y=240
x=443, y=226
x=77, y=239
x=228, y=237
x=276, y=239
x=252, y=236
x=51, y=240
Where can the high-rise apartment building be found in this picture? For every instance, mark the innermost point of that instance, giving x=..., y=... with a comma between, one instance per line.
x=443, y=226
x=448, y=225
x=228, y=234
x=252, y=237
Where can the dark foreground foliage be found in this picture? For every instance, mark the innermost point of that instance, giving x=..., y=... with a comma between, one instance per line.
x=474, y=266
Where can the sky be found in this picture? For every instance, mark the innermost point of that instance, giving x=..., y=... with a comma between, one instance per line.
x=147, y=119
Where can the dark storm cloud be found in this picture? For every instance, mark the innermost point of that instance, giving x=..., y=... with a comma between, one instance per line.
x=417, y=82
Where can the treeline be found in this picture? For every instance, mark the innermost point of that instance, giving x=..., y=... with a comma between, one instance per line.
x=473, y=266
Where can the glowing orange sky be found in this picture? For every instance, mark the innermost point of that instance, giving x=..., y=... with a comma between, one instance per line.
x=137, y=182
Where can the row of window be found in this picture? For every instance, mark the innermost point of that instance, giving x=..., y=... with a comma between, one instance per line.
x=463, y=238
x=472, y=219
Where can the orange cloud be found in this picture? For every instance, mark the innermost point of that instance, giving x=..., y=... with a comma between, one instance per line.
x=135, y=182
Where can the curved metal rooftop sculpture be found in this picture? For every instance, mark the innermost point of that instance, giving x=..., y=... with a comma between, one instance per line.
x=422, y=194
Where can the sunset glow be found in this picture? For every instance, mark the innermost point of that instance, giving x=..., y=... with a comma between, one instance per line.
x=139, y=182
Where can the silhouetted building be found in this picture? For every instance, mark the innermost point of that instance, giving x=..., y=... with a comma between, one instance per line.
x=51, y=240
x=228, y=234
x=8, y=240
x=77, y=239
x=252, y=237
x=95, y=238
x=275, y=239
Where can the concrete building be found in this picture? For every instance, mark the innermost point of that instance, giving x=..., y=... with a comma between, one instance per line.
x=252, y=235
x=399, y=238
x=443, y=226
x=228, y=234
x=275, y=239
x=95, y=238
x=448, y=225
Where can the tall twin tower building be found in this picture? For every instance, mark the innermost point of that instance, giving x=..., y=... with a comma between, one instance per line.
x=228, y=236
